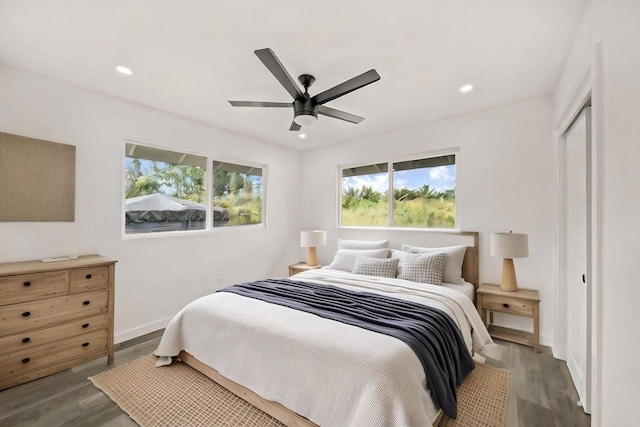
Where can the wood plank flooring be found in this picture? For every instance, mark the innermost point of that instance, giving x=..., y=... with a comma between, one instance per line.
x=541, y=392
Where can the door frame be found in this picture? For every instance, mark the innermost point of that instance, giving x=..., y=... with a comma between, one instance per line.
x=589, y=86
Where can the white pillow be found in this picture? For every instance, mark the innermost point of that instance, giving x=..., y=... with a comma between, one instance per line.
x=402, y=256
x=424, y=268
x=362, y=244
x=452, y=272
x=345, y=259
x=376, y=267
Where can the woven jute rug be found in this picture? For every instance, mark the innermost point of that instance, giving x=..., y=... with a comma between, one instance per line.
x=178, y=395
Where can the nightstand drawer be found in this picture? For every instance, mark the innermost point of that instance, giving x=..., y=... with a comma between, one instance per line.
x=506, y=305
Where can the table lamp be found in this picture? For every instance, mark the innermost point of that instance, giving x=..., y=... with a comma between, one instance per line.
x=312, y=239
x=509, y=246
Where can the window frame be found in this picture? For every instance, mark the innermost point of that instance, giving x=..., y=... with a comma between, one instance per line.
x=208, y=191
x=444, y=152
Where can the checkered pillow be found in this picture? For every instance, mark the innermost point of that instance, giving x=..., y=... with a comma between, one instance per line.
x=423, y=268
x=376, y=267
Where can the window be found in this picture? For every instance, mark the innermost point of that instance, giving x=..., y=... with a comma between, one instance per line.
x=423, y=193
x=164, y=190
x=237, y=194
x=364, y=195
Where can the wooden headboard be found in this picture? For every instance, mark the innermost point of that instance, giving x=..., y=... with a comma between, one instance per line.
x=470, y=264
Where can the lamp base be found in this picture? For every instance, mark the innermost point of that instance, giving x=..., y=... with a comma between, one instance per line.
x=508, y=281
x=312, y=257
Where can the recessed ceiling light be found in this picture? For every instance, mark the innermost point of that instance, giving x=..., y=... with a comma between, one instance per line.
x=124, y=70
x=466, y=88
x=302, y=135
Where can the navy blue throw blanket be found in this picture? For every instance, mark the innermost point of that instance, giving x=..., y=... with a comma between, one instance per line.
x=429, y=332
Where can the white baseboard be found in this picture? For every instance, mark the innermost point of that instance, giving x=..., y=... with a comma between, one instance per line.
x=141, y=330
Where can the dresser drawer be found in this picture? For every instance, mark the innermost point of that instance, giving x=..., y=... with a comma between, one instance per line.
x=89, y=279
x=25, y=361
x=29, y=340
x=502, y=304
x=31, y=287
x=53, y=311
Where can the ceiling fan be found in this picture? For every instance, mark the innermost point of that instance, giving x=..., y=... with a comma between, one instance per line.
x=305, y=107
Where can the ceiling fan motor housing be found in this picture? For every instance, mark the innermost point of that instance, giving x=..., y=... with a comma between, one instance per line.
x=305, y=107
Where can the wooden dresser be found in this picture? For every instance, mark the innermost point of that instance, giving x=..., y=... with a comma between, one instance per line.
x=54, y=316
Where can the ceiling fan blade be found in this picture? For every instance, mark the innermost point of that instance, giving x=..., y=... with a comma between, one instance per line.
x=347, y=87
x=259, y=104
x=271, y=61
x=295, y=127
x=337, y=114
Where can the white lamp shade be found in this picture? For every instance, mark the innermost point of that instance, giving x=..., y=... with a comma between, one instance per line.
x=313, y=238
x=509, y=245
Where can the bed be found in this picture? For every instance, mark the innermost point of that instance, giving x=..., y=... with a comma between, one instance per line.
x=306, y=370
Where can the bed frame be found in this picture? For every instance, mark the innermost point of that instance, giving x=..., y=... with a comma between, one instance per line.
x=470, y=273
x=470, y=264
x=276, y=410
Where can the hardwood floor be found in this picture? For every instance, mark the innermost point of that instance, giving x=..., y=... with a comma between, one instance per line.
x=541, y=392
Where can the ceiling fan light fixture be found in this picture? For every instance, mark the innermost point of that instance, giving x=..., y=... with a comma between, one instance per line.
x=305, y=118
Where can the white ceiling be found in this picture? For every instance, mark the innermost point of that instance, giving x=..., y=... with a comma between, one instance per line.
x=190, y=57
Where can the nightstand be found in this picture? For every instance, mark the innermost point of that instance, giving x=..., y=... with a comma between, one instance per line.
x=523, y=302
x=300, y=267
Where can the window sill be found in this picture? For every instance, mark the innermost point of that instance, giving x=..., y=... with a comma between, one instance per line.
x=412, y=230
x=214, y=230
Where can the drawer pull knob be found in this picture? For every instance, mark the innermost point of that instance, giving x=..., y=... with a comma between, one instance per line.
x=85, y=344
x=26, y=314
x=88, y=276
x=25, y=360
x=86, y=303
x=27, y=283
x=86, y=325
x=26, y=340
x=505, y=305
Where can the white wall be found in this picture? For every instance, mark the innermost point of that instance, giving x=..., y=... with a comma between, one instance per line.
x=616, y=24
x=505, y=182
x=155, y=277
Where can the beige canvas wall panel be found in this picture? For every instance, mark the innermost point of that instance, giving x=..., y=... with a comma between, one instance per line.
x=37, y=179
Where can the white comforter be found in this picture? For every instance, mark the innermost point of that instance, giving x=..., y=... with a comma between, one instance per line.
x=329, y=372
